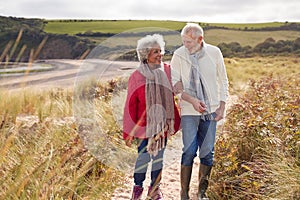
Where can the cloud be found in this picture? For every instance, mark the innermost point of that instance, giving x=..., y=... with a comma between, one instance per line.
x=234, y=11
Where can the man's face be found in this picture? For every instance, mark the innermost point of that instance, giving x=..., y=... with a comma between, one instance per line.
x=192, y=44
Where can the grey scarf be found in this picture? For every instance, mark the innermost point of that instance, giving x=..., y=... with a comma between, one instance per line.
x=197, y=87
x=159, y=107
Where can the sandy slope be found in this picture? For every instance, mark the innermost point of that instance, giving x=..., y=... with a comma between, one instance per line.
x=170, y=184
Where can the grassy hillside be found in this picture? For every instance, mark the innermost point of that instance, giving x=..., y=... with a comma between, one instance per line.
x=241, y=26
x=14, y=24
x=251, y=38
x=217, y=36
x=23, y=39
x=219, y=33
x=71, y=38
x=117, y=26
x=106, y=26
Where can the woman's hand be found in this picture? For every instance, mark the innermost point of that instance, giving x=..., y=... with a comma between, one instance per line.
x=128, y=141
x=178, y=87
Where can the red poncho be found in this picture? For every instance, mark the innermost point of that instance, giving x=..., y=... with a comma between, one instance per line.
x=134, y=119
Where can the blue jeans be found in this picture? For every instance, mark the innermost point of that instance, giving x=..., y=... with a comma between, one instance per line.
x=142, y=162
x=198, y=134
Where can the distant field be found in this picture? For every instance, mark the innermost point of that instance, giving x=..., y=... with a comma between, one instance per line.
x=217, y=36
x=107, y=26
x=213, y=36
x=251, y=38
x=116, y=26
x=248, y=26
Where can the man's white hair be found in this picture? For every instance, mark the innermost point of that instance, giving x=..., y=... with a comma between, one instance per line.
x=194, y=28
x=145, y=44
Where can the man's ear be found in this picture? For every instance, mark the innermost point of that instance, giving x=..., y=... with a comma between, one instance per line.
x=200, y=39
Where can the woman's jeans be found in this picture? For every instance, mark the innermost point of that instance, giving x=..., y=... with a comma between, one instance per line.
x=142, y=162
x=198, y=134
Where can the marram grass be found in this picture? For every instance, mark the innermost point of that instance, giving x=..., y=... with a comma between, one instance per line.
x=41, y=153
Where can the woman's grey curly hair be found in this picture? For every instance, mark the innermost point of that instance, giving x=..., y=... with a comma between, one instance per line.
x=145, y=44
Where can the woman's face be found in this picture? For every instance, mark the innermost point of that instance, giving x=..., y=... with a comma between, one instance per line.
x=155, y=56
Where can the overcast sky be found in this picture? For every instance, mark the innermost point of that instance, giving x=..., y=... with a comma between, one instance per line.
x=223, y=11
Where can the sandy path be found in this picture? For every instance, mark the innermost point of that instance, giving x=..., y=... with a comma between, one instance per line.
x=170, y=183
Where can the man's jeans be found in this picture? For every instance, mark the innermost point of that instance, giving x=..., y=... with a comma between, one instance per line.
x=198, y=133
x=142, y=162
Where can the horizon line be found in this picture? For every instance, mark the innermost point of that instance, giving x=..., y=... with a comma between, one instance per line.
x=122, y=19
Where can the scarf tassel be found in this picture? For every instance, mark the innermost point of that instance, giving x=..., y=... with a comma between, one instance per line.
x=207, y=117
x=158, y=141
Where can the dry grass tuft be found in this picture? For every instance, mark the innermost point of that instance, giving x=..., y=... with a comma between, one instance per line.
x=258, y=156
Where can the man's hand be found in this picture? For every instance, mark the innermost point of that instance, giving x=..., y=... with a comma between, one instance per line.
x=198, y=105
x=220, y=111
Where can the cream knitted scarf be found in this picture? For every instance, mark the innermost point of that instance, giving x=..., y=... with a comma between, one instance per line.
x=159, y=107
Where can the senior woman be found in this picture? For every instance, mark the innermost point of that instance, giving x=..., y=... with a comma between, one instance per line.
x=150, y=113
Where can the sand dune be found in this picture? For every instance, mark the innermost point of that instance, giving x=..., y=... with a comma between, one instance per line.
x=66, y=73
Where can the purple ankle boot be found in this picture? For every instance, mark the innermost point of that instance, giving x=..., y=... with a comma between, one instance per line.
x=137, y=192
